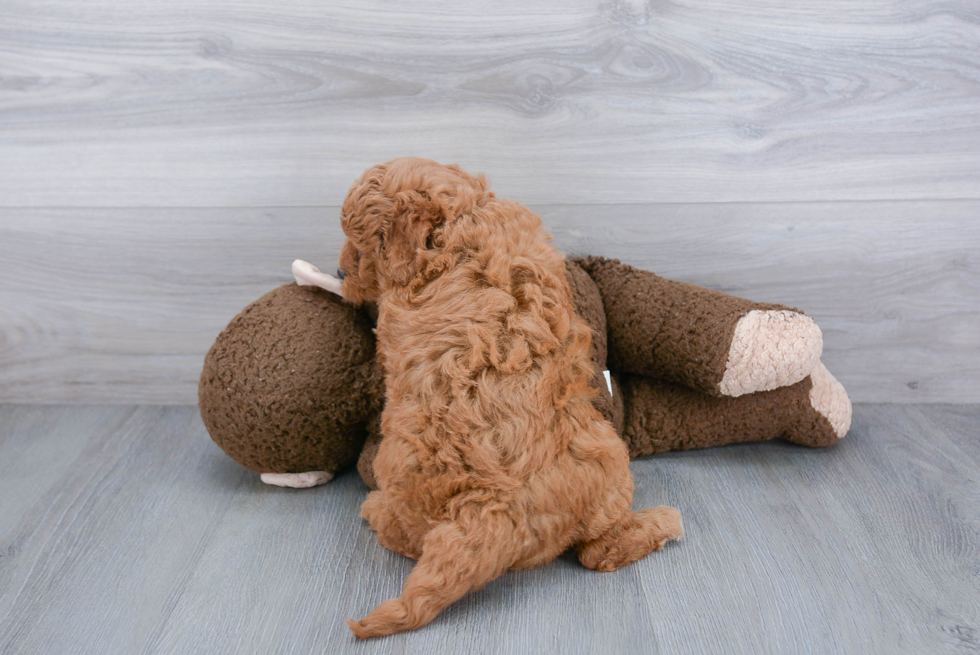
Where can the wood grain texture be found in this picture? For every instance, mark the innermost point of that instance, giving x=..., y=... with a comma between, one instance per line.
x=231, y=103
x=120, y=305
x=895, y=286
x=142, y=537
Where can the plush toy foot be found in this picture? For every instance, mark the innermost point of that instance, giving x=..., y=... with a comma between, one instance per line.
x=826, y=415
x=661, y=416
x=770, y=349
x=298, y=480
x=828, y=398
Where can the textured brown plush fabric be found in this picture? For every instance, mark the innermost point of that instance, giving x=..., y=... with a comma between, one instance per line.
x=291, y=383
x=665, y=329
x=662, y=416
x=588, y=305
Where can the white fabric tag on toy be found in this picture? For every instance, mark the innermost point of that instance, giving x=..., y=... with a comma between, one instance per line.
x=608, y=377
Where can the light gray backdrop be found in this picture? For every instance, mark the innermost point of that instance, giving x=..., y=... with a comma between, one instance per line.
x=162, y=163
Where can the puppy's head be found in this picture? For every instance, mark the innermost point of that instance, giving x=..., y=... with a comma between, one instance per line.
x=395, y=217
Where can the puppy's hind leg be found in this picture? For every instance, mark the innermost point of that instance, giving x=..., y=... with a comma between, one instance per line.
x=457, y=557
x=391, y=533
x=635, y=535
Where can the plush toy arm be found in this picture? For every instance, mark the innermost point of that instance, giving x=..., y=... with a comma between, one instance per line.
x=308, y=275
x=705, y=339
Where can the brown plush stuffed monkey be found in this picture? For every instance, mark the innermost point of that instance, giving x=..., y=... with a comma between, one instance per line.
x=291, y=388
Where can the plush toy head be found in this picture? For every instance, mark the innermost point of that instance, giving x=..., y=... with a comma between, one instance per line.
x=291, y=384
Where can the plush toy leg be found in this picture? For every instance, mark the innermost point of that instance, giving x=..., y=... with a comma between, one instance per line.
x=654, y=416
x=297, y=480
x=701, y=338
x=661, y=416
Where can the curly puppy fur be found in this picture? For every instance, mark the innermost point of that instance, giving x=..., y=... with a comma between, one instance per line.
x=493, y=457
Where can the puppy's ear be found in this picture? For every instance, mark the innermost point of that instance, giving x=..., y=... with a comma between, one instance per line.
x=408, y=232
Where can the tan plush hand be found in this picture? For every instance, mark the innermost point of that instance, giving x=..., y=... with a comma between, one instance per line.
x=308, y=275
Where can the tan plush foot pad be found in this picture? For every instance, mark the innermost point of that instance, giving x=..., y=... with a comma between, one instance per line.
x=297, y=480
x=828, y=397
x=770, y=349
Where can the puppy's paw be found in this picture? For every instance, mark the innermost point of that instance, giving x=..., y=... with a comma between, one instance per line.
x=639, y=534
x=664, y=522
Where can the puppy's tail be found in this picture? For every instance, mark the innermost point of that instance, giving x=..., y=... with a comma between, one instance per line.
x=457, y=557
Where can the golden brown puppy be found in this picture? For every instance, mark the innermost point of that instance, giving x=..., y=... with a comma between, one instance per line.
x=493, y=457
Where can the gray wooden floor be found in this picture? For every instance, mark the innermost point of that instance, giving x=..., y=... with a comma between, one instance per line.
x=163, y=162
x=123, y=529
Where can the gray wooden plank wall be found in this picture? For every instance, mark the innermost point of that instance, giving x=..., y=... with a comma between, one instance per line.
x=119, y=305
x=230, y=103
x=161, y=163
